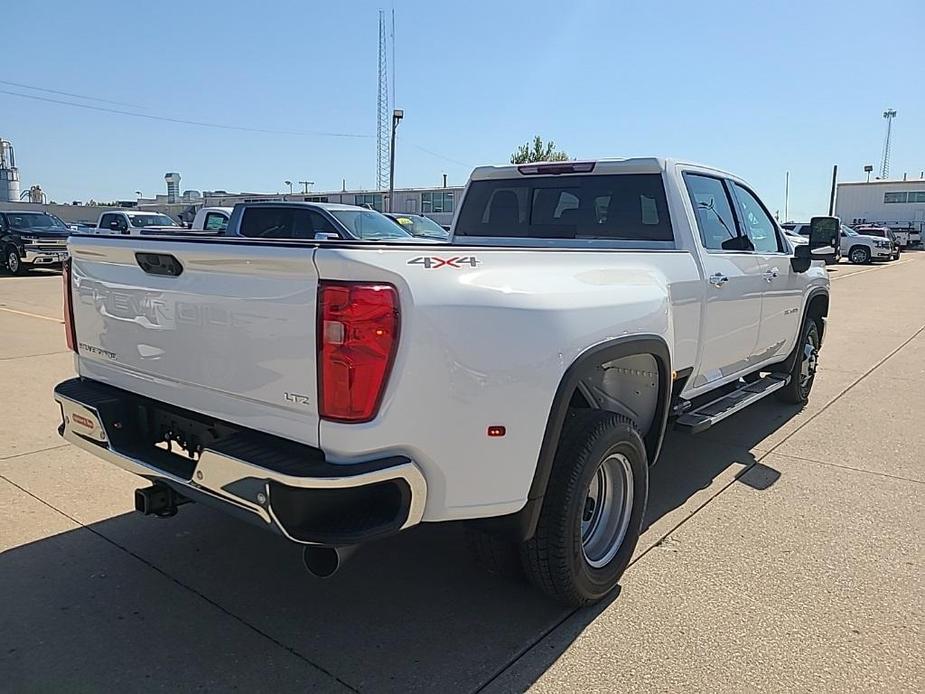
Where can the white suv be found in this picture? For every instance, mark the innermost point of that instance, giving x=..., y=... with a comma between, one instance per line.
x=863, y=248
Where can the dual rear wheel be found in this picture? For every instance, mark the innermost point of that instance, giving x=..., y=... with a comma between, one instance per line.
x=591, y=515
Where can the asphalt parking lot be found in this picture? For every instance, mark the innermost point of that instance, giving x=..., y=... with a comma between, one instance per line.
x=784, y=552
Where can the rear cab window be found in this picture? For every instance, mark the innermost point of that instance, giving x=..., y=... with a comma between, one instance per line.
x=620, y=207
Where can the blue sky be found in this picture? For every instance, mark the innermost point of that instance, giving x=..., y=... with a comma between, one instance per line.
x=754, y=87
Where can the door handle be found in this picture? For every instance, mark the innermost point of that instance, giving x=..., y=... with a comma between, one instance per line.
x=771, y=275
x=717, y=279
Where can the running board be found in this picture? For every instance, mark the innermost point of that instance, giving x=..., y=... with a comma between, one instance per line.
x=713, y=412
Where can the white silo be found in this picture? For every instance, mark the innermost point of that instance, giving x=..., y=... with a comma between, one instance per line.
x=9, y=174
x=173, y=186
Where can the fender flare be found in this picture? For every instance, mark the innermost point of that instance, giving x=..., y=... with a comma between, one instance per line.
x=521, y=526
x=786, y=366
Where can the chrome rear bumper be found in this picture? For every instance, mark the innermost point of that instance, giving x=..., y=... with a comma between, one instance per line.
x=227, y=475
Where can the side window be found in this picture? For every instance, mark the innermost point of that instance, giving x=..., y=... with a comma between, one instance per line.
x=106, y=220
x=714, y=214
x=215, y=222
x=267, y=222
x=758, y=225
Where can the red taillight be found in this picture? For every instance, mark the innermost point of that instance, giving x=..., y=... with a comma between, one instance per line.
x=69, y=333
x=357, y=336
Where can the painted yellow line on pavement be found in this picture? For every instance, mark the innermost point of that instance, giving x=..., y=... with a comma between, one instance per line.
x=31, y=315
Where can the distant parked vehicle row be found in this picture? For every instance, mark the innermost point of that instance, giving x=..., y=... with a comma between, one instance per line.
x=31, y=239
x=314, y=221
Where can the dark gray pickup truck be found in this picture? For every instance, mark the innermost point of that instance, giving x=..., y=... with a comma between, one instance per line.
x=31, y=239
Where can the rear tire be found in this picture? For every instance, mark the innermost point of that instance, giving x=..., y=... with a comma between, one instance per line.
x=803, y=373
x=592, y=511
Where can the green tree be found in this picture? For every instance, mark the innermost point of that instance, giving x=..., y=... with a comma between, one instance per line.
x=527, y=153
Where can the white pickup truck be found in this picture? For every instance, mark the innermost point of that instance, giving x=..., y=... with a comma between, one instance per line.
x=520, y=378
x=135, y=223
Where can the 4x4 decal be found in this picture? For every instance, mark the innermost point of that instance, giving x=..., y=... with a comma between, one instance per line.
x=432, y=262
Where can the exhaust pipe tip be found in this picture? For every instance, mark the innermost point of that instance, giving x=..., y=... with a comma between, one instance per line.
x=324, y=562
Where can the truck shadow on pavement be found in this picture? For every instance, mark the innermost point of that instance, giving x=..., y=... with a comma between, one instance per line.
x=203, y=601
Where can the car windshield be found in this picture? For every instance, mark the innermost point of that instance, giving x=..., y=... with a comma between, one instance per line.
x=369, y=225
x=151, y=220
x=37, y=220
x=848, y=231
x=419, y=225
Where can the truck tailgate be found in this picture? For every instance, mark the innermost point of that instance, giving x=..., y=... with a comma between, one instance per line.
x=232, y=335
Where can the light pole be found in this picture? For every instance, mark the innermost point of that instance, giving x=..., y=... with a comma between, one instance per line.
x=397, y=115
x=867, y=169
x=289, y=183
x=305, y=185
x=787, y=197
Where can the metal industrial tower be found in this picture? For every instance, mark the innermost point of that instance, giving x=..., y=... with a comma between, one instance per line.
x=383, y=112
x=889, y=114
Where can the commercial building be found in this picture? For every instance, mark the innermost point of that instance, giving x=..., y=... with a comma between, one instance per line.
x=899, y=204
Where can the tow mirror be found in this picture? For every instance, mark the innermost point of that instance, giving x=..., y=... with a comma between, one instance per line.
x=824, y=236
x=802, y=258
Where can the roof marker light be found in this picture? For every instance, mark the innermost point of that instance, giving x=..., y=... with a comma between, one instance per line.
x=559, y=167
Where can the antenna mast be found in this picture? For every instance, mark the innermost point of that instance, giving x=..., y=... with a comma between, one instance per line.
x=889, y=114
x=383, y=112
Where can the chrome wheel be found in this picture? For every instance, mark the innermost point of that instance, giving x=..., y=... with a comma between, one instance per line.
x=810, y=359
x=607, y=510
x=12, y=262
